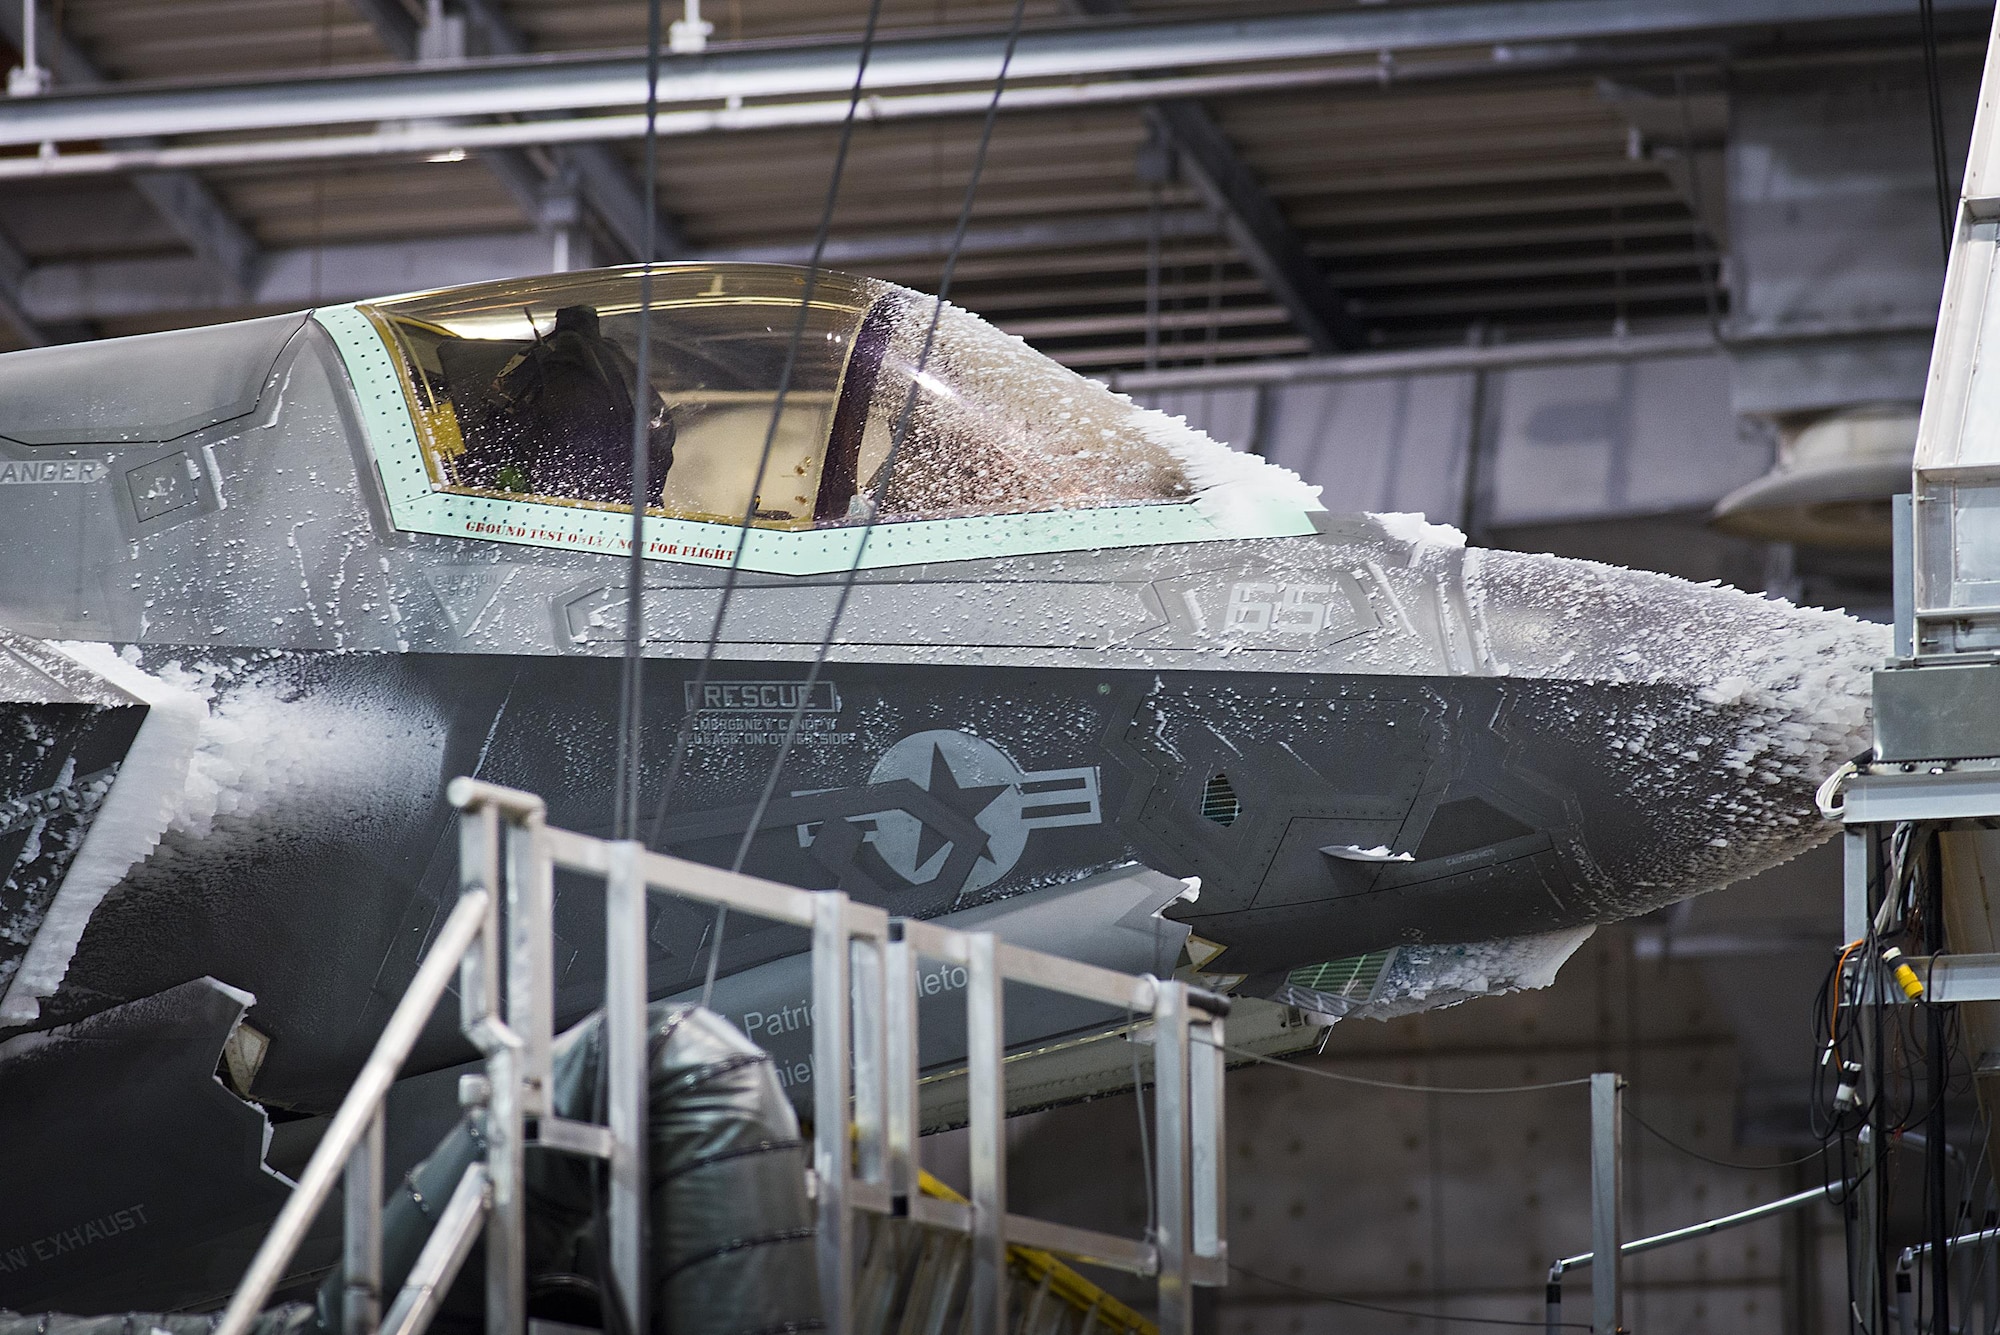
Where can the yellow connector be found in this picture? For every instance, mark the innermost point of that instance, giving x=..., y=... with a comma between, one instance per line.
x=1906, y=977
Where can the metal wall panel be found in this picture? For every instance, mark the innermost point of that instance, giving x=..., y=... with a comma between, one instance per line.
x=1617, y=438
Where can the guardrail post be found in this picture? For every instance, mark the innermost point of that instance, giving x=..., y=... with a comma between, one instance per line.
x=361, y=1299
x=870, y=1056
x=1170, y=1120
x=1208, y=1141
x=985, y=1048
x=899, y=988
x=506, y=1220
x=479, y=868
x=531, y=1008
x=831, y=974
x=1607, y=1184
x=625, y=1059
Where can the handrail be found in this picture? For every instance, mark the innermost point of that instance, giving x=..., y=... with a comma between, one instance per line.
x=1831, y=1191
x=357, y=1111
x=1911, y=1253
x=441, y=1257
x=864, y=1052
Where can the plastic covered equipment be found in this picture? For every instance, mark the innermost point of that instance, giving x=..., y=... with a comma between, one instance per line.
x=730, y=1228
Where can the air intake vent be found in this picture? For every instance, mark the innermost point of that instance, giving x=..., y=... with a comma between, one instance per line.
x=1218, y=801
x=1338, y=986
x=1353, y=978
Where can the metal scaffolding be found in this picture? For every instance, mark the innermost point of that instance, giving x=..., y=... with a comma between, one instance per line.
x=866, y=973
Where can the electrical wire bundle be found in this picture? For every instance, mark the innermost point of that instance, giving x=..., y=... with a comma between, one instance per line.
x=1886, y=1072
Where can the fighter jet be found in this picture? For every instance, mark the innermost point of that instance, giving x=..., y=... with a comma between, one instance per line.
x=1101, y=683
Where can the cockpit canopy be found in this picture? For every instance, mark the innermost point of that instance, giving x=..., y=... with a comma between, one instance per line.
x=523, y=390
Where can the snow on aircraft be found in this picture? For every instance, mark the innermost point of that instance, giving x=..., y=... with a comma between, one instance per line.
x=270, y=585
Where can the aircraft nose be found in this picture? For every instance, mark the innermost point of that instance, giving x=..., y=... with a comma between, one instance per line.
x=1716, y=713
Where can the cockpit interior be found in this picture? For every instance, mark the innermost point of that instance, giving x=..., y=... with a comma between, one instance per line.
x=523, y=390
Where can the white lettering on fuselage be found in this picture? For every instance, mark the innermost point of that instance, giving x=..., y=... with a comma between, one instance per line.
x=34, y=472
x=763, y=1026
x=70, y=1239
x=1282, y=609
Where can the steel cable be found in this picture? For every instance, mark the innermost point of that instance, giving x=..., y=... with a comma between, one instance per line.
x=898, y=434
x=625, y=822
x=1317, y=1296
x=683, y=738
x=1248, y=1055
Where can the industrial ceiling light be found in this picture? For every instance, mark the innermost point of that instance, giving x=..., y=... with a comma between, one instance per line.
x=1832, y=483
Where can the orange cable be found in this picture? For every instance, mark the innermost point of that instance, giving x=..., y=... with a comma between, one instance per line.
x=1833, y=1017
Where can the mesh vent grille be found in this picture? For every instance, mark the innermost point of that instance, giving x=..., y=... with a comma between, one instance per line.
x=1351, y=979
x=1218, y=801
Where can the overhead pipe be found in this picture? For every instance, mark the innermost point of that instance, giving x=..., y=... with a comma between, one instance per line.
x=432, y=138
x=557, y=84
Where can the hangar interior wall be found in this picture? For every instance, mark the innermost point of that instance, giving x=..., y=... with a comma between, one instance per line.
x=1497, y=449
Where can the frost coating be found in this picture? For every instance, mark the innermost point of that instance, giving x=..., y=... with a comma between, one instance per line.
x=258, y=748
x=1772, y=696
x=1420, y=533
x=995, y=427
x=1427, y=977
x=128, y=826
x=279, y=753
x=234, y=744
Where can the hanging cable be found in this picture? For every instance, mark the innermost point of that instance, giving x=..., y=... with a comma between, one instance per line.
x=1145, y=1138
x=1693, y=1153
x=684, y=735
x=898, y=433
x=1711, y=274
x=625, y=824
x=625, y=819
x=1934, y=90
x=683, y=738
x=1153, y=279
x=1317, y=1296
x=1212, y=329
x=886, y=473
x=1927, y=875
x=1248, y=1055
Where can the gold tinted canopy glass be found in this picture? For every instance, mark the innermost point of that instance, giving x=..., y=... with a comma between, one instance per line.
x=524, y=390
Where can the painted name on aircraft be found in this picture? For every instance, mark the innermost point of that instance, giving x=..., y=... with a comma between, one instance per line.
x=767, y=730
x=762, y=696
x=70, y=1239
x=789, y=1018
x=794, y=1017
x=33, y=472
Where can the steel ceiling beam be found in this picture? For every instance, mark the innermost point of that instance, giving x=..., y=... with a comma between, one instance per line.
x=1420, y=361
x=181, y=199
x=400, y=31
x=414, y=138
x=606, y=188
x=574, y=83
x=605, y=183
x=1255, y=224
x=149, y=288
